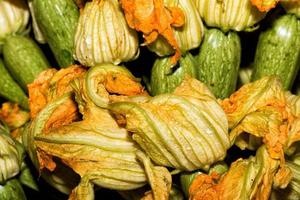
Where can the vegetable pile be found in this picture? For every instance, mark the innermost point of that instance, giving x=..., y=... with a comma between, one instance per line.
x=151, y=99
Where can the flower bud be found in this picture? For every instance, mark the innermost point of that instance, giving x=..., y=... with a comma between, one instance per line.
x=103, y=35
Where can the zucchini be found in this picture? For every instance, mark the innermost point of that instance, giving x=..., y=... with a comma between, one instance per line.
x=278, y=51
x=12, y=190
x=58, y=20
x=23, y=59
x=219, y=61
x=166, y=76
x=10, y=90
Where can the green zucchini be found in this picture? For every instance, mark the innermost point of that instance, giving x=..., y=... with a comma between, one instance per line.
x=23, y=59
x=58, y=20
x=219, y=61
x=10, y=90
x=12, y=190
x=278, y=51
x=166, y=76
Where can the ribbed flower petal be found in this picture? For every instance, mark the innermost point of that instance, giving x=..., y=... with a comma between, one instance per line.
x=103, y=35
x=95, y=148
x=185, y=130
x=10, y=160
x=14, y=17
x=229, y=15
x=259, y=109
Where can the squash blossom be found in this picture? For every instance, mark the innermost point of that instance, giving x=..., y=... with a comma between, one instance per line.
x=94, y=146
x=103, y=35
x=154, y=19
x=230, y=14
x=251, y=178
x=106, y=83
x=10, y=163
x=260, y=109
x=188, y=36
x=186, y=129
x=271, y=117
x=48, y=86
x=14, y=17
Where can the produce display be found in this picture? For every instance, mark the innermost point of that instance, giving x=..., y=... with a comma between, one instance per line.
x=150, y=99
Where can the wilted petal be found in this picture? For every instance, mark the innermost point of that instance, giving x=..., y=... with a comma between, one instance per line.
x=61, y=178
x=185, y=130
x=261, y=110
x=188, y=37
x=50, y=85
x=107, y=82
x=154, y=19
x=13, y=115
x=250, y=178
x=264, y=5
x=292, y=191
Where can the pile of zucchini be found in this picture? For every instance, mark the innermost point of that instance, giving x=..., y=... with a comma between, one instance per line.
x=22, y=57
x=216, y=62
x=240, y=38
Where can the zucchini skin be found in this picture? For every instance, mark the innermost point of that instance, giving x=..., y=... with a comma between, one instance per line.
x=219, y=60
x=58, y=20
x=165, y=76
x=278, y=51
x=10, y=90
x=23, y=59
x=12, y=190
